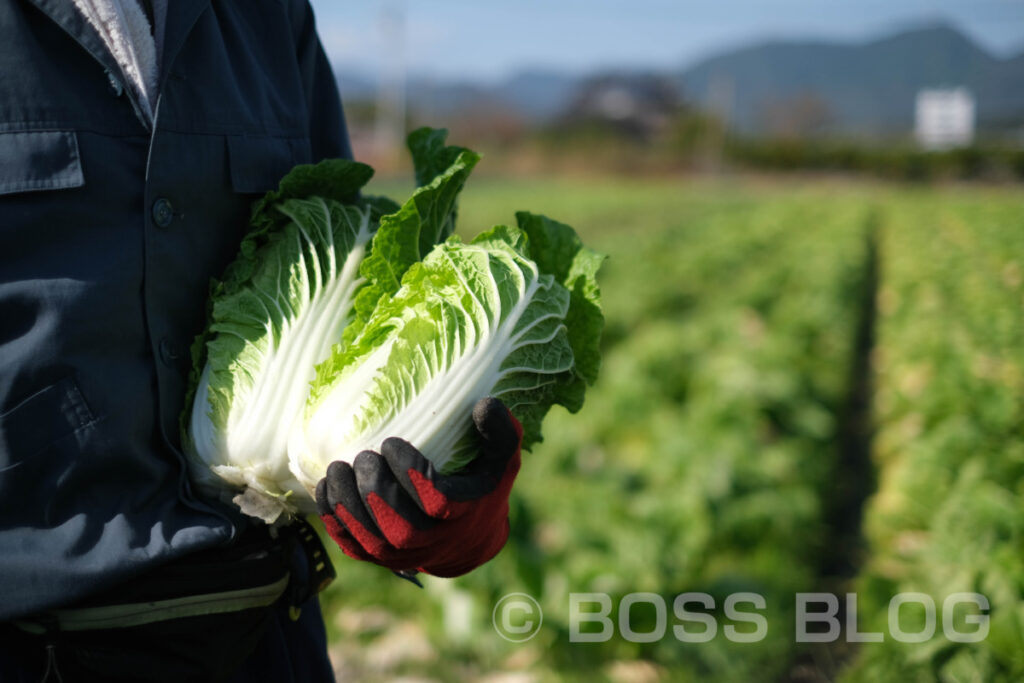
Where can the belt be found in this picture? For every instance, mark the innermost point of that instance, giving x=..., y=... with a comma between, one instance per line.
x=139, y=613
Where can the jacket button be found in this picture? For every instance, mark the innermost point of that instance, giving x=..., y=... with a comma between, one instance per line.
x=170, y=353
x=163, y=212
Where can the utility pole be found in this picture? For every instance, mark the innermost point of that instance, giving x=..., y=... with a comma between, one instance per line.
x=391, y=101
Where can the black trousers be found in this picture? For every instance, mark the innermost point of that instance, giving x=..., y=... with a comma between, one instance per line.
x=289, y=651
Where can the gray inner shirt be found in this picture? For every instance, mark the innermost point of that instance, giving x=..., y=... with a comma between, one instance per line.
x=134, y=43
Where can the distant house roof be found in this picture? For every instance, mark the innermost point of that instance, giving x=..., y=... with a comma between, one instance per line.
x=639, y=104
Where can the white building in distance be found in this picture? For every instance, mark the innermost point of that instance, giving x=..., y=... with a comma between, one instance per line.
x=944, y=118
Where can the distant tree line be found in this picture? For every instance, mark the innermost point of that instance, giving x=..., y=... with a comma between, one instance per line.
x=900, y=161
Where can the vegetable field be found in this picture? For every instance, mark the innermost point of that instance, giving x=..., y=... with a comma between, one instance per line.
x=805, y=388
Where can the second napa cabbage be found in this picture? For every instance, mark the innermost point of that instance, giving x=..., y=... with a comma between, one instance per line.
x=347, y=319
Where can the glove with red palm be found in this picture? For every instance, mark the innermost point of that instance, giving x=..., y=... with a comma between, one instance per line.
x=395, y=509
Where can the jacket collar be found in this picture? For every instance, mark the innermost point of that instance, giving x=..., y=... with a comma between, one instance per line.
x=181, y=17
x=65, y=15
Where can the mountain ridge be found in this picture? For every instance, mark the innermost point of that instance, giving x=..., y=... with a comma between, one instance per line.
x=860, y=88
x=768, y=87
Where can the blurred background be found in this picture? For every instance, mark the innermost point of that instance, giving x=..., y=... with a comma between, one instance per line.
x=813, y=360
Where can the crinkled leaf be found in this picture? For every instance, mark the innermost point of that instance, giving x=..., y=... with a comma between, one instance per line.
x=558, y=250
x=430, y=156
x=404, y=237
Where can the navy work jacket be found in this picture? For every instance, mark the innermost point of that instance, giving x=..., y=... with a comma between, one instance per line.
x=109, y=235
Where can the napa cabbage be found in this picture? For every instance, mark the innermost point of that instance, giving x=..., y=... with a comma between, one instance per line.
x=348, y=319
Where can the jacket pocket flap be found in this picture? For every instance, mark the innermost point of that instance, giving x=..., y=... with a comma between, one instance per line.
x=39, y=160
x=259, y=163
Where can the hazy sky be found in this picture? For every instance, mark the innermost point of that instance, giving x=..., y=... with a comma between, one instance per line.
x=489, y=39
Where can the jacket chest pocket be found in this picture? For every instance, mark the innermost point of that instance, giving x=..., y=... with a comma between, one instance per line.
x=257, y=164
x=39, y=160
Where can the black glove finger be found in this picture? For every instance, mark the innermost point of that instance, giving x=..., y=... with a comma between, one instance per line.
x=322, y=506
x=373, y=474
x=341, y=488
x=401, y=456
x=499, y=439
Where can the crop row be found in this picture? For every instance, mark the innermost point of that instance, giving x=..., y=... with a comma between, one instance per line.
x=947, y=516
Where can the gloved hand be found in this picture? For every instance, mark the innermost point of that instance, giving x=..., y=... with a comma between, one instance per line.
x=395, y=509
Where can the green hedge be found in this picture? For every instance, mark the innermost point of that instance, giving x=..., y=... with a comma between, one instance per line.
x=898, y=161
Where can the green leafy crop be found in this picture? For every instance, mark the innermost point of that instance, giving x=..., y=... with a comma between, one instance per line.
x=346, y=320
